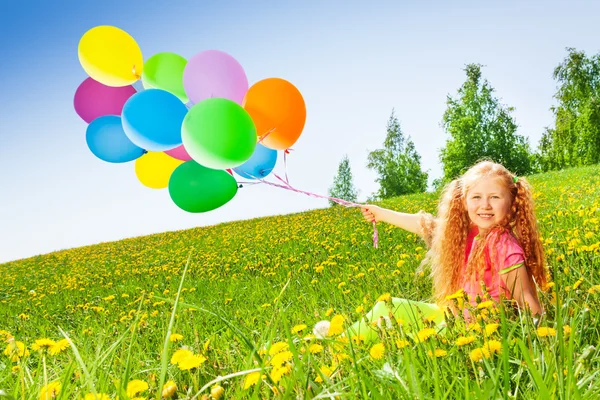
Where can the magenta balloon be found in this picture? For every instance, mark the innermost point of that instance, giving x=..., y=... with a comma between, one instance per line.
x=93, y=99
x=179, y=153
x=213, y=73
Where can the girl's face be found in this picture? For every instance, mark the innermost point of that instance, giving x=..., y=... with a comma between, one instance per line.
x=488, y=202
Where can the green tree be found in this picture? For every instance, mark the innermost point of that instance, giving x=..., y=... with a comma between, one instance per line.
x=481, y=128
x=575, y=138
x=398, y=165
x=343, y=186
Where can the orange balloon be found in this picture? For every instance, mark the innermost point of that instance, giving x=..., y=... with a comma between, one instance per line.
x=277, y=109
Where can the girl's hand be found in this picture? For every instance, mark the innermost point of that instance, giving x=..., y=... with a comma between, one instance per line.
x=371, y=212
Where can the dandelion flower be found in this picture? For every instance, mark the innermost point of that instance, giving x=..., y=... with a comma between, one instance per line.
x=278, y=372
x=251, y=379
x=491, y=328
x=437, y=353
x=59, y=346
x=50, y=391
x=315, y=348
x=401, y=343
x=16, y=350
x=321, y=328
x=485, y=304
x=169, y=389
x=99, y=396
x=493, y=346
x=478, y=354
x=424, y=334
x=298, y=329
x=278, y=348
x=464, y=340
x=191, y=362
x=280, y=359
x=326, y=371
x=385, y=297
x=377, y=351
x=544, y=331
x=358, y=339
x=337, y=325
x=42, y=344
x=566, y=330
x=135, y=387
x=217, y=392
x=180, y=355
x=175, y=337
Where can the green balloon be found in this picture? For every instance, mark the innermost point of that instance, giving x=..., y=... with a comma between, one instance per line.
x=195, y=188
x=165, y=71
x=218, y=133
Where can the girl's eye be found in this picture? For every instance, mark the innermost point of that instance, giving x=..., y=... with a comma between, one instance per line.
x=495, y=197
x=476, y=197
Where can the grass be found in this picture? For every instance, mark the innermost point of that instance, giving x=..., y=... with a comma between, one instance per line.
x=239, y=293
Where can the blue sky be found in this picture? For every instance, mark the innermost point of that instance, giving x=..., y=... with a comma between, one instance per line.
x=353, y=61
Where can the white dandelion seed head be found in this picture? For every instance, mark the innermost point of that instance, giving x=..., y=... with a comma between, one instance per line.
x=321, y=329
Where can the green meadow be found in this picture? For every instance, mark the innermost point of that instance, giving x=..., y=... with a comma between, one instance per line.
x=228, y=311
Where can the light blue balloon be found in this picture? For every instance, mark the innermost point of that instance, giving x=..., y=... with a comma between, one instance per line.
x=259, y=165
x=152, y=119
x=107, y=140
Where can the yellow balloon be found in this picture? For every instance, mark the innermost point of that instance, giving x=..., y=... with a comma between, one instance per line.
x=154, y=169
x=110, y=56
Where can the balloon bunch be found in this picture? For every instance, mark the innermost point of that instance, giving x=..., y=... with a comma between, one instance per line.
x=195, y=121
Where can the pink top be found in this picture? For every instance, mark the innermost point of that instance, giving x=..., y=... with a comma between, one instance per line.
x=508, y=256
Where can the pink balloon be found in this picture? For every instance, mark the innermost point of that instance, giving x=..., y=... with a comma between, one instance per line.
x=179, y=153
x=93, y=99
x=213, y=73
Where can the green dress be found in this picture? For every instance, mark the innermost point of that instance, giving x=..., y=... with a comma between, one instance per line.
x=411, y=314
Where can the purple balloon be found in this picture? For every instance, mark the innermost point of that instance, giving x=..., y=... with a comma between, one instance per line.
x=213, y=73
x=93, y=99
x=179, y=153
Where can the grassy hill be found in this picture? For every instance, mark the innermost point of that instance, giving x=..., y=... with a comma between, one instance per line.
x=251, y=286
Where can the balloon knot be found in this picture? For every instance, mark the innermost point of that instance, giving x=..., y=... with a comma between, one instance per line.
x=241, y=186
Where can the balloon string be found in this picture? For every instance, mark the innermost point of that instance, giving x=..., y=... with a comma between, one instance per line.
x=265, y=135
x=285, y=153
x=287, y=186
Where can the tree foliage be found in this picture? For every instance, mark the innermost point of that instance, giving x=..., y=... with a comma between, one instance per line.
x=398, y=165
x=575, y=138
x=343, y=185
x=481, y=128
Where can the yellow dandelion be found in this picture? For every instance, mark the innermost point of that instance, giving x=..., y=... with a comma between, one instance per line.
x=493, y=346
x=377, y=351
x=437, y=353
x=109, y=298
x=175, y=337
x=491, y=328
x=297, y=330
x=280, y=359
x=217, y=392
x=329, y=312
x=16, y=350
x=50, y=391
x=278, y=372
x=315, y=348
x=424, y=334
x=474, y=326
x=401, y=343
x=180, y=355
x=251, y=379
x=59, y=346
x=99, y=396
x=566, y=330
x=43, y=344
x=191, y=362
x=337, y=325
x=169, y=389
x=278, y=348
x=358, y=339
x=485, y=304
x=385, y=297
x=544, y=331
x=360, y=309
x=464, y=340
x=325, y=371
x=479, y=354
x=457, y=295
x=135, y=387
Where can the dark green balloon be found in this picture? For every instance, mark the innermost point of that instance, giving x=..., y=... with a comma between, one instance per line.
x=195, y=188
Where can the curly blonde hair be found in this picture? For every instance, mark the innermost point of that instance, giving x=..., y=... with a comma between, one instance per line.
x=446, y=235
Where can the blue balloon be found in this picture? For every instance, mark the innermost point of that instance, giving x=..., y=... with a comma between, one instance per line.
x=152, y=119
x=259, y=165
x=107, y=140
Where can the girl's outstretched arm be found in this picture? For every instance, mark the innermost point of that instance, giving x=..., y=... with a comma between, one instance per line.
x=409, y=222
x=520, y=284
